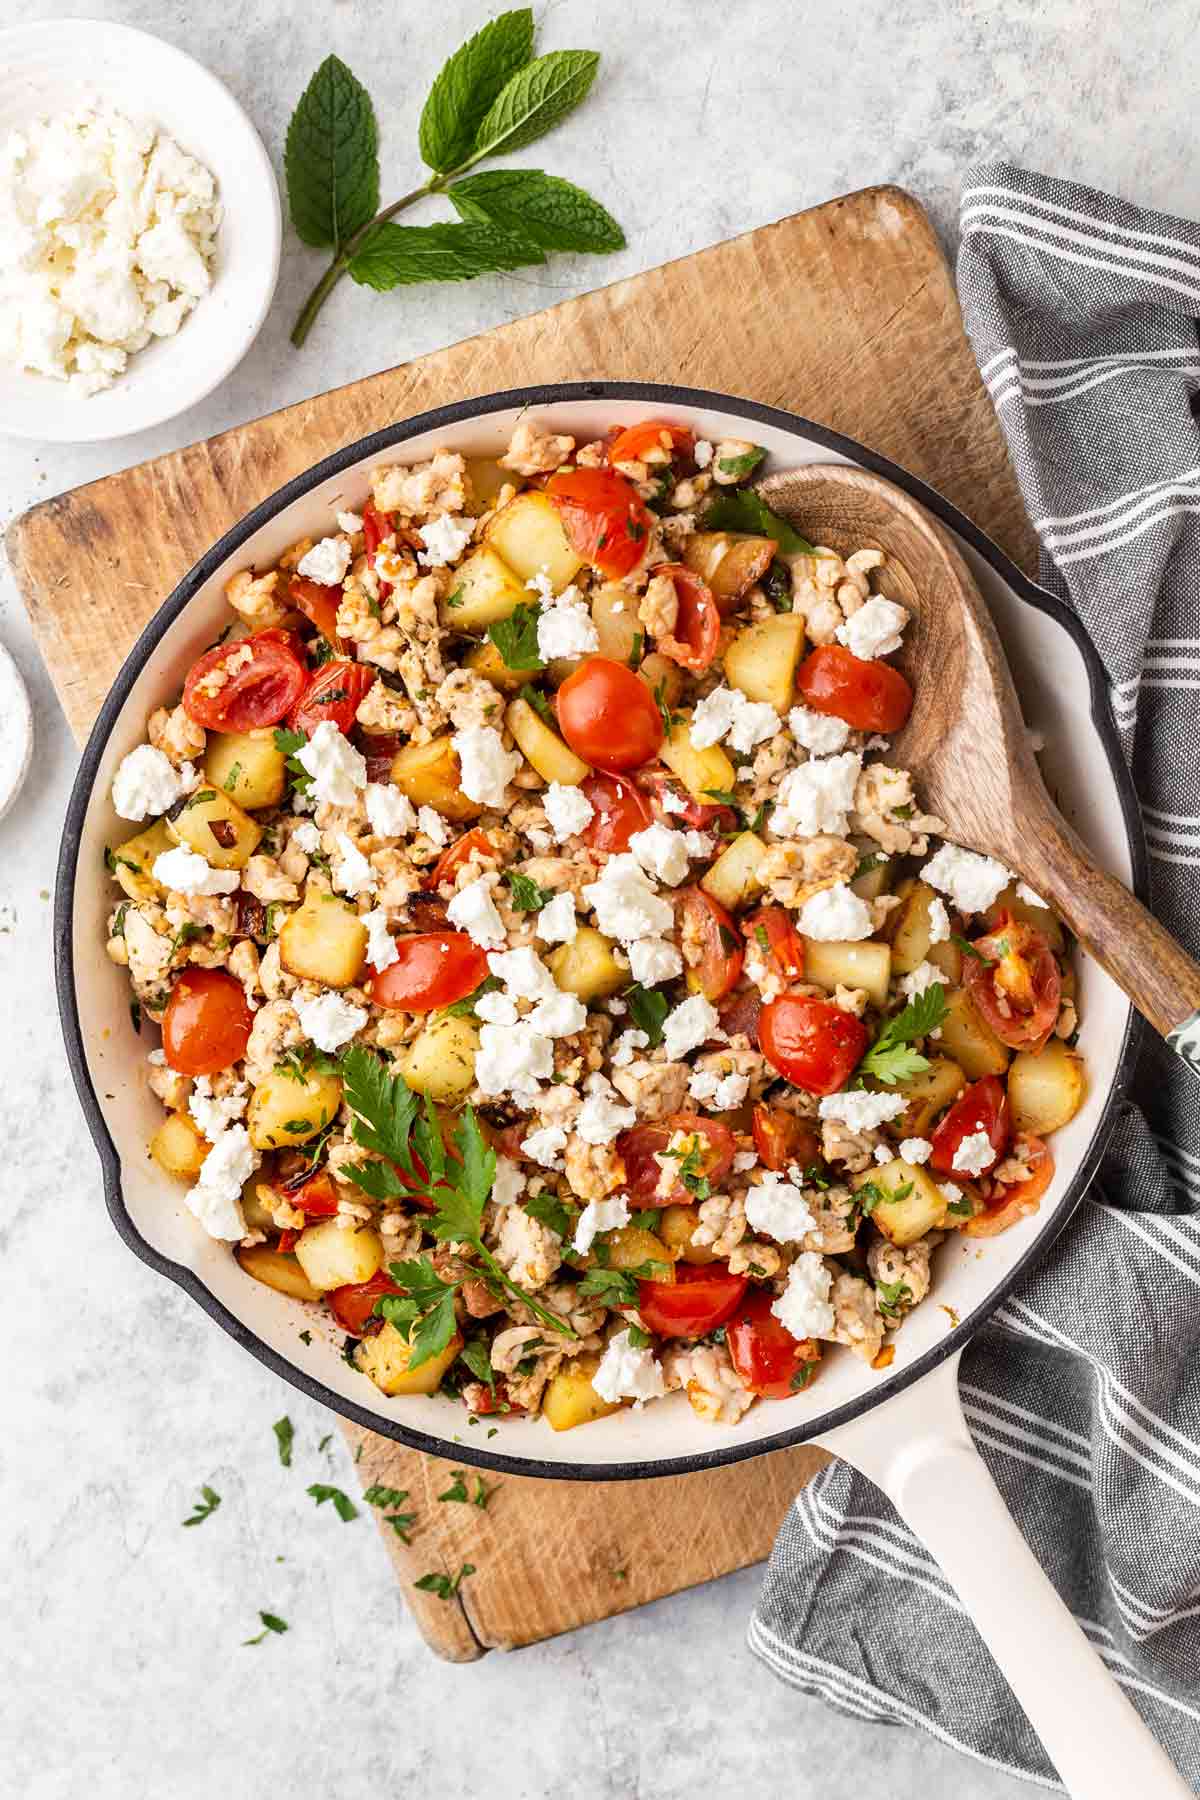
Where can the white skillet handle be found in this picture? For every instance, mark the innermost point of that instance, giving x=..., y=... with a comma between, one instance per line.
x=918, y=1450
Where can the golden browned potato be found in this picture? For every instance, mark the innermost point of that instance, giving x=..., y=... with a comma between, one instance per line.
x=729, y=562
x=283, y=1273
x=246, y=766
x=675, y=1228
x=701, y=771
x=915, y=1203
x=615, y=616
x=333, y=1258
x=286, y=1108
x=133, y=861
x=1045, y=1087
x=441, y=1061
x=209, y=823
x=663, y=677
x=528, y=534
x=969, y=1039
x=761, y=660
x=484, y=659
x=179, y=1147
x=323, y=940
x=485, y=590
x=570, y=1399
x=485, y=478
x=734, y=879
x=928, y=1094
x=909, y=928
x=542, y=747
x=586, y=967
x=386, y=1357
x=852, y=965
x=632, y=1245
x=429, y=774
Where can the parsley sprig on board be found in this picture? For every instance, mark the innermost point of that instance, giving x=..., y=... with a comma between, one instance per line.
x=493, y=96
x=891, y=1057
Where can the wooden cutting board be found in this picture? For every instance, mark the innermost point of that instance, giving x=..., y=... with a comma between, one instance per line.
x=846, y=313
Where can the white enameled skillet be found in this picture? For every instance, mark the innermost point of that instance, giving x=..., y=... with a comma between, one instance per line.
x=903, y=1427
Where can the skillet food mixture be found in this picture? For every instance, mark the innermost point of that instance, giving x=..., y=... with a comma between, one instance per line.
x=557, y=980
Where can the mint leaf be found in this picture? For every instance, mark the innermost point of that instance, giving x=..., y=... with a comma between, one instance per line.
x=403, y=255
x=537, y=98
x=744, y=511
x=467, y=86
x=550, y=212
x=331, y=159
x=648, y=1009
x=516, y=638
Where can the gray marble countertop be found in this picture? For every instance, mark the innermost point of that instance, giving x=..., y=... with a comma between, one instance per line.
x=120, y=1658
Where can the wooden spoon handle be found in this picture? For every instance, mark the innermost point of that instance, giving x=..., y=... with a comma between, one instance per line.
x=1142, y=957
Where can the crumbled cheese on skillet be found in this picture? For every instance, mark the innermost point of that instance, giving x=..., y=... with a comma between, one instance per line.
x=566, y=627
x=513, y=1060
x=689, y=1025
x=702, y=453
x=216, y=1199
x=602, y=1116
x=567, y=810
x=148, y=783
x=627, y=1046
x=625, y=904
x=306, y=837
x=509, y=1184
x=330, y=1020
x=339, y=772
x=925, y=975
x=523, y=973
x=939, y=921
x=352, y=874
x=496, y=1009
x=486, y=766
x=473, y=910
x=559, y=1015
x=546, y=1145
x=627, y=1373
x=556, y=921
x=599, y=1215
x=434, y=827
x=662, y=852
x=974, y=1155
x=381, y=945
x=836, y=915
x=445, y=538
x=214, y=1112
x=817, y=797
x=915, y=1150
x=726, y=713
x=1027, y=894
x=874, y=630
x=653, y=959
x=803, y=1307
x=721, y=1092
x=860, y=1110
x=184, y=871
x=389, y=812
x=818, y=732
x=777, y=1209
x=326, y=562
x=971, y=881
x=349, y=522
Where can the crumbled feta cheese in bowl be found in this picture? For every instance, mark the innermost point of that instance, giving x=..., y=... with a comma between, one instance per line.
x=970, y=881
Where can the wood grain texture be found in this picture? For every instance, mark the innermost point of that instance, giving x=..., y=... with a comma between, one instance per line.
x=847, y=314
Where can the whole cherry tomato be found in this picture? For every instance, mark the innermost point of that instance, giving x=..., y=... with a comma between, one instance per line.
x=813, y=1043
x=981, y=1107
x=701, y=1297
x=609, y=716
x=1017, y=985
x=486, y=1402
x=871, y=696
x=246, y=683
x=698, y=622
x=1012, y=1201
x=651, y=441
x=335, y=692
x=778, y=941
x=319, y=603
x=603, y=516
x=620, y=809
x=452, y=859
x=354, y=1305
x=770, y=1361
x=782, y=1138
x=712, y=949
x=207, y=1022
x=432, y=969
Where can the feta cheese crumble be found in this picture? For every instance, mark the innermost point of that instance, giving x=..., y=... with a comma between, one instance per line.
x=803, y=1307
x=509, y=1183
x=445, y=538
x=566, y=627
x=216, y=1199
x=662, y=852
x=306, y=837
x=817, y=797
x=556, y=921
x=352, y=873
x=972, y=882
x=915, y=1150
x=381, y=945
x=473, y=910
x=213, y=1113
x=628, y=1373
x=147, y=783
x=975, y=1155
x=330, y=1020
x=327, y=562
x=431, y=823
x=691, y=1024
x=939, y=922
x=625, y=904
x=523, y=973
x=818, y=732
x=389, y=812
x=652, y=960
x=726, y=713
x=567, y=810
x=486, y=766
x=918, y=980
x=777, y=1209
x=599, y=1215
x=1027, y=894
x=860, y=1110
x=546, y=1146
x=602, y=1116
x=627, y=1046
x=836, y=915
x=513, y=1060
x=339, y=772
x=874, y=630
x=184, y=871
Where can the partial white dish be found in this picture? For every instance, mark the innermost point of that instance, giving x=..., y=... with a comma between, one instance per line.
x=16, y=731
x=54, y=65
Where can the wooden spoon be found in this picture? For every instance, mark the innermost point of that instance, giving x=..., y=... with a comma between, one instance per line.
x=966, y=744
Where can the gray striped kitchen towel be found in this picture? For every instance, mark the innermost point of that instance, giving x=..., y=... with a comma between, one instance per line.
x=1084, y=1394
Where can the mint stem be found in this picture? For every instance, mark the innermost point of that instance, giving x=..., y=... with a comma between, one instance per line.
x=348, y=251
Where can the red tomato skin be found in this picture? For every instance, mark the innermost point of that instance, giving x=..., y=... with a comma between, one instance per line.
x=207, y=1022
x=486, y=1403
x=981, y=1107
x=609, y=716
x=697, y=815
x=698, y=626
x=813, y=1043
x=871, y=696
x=315, y=1197
x=353, y=1305
x=449, y=862
x=604, y=518
x=740, y=1016
x=350, y=680
x=432, y=969
x=782, y=1138
x=1019, y=1030
x=319, y=603
x=701, y=1297
x=379, y=748
x=637, y=1148
x=704, y=920
x=763, y=1351
x=262, y=692
x=785, y=946
x=376, y=527
x=631, y=444
x=620, y=810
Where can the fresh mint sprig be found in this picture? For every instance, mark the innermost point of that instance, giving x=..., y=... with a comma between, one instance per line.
x=492, y=97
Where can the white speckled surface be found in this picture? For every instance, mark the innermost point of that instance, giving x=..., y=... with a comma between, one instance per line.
x=120, y=1658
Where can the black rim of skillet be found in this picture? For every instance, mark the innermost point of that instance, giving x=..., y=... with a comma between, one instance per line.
x=457, y=1447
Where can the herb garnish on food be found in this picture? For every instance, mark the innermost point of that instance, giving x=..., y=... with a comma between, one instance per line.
x=890, y=1058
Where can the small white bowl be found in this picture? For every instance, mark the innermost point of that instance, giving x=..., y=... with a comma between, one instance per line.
x=51, y=66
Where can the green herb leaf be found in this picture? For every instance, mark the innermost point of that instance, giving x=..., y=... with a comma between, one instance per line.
x=538, y=701
x=516, y=638
x=377, y=1495
x=458, y=1488
x=468, y=85
x=744, y=511
x=342, y=1503
x=331, y=159
x=384, y=1106
x=463, y=1009
x=271, y=1622
x=872, y=860
x=205, y=1507
x=641, y=1340
x=549, y=1211
x=649, y=1219
x=378, y=1179
x=475, y=1355
x=444, y=1586
x=482, y=1494
x=802, y=1377
x=549, y=212
x=405, y=255
x=891, y=1296
x=777, y=586
x=537, y=98
x=284, y=1436
x=962, y=1208
x=739, y=466
x=889, y=1059
x=618, y=1287
x=969, y=949
x=636, y=648
x=231, y=780
x=526, y=895
x=648, y=1010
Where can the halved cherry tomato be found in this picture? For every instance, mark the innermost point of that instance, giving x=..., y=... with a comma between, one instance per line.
x=376, y=526
x=317, y=1196
x=432, y=969
x=1018, y=986
x=319, y=603
x=451, y=860
x=638, y=1149
x=267, y=676
x=1009, y=1202
x=379, y=748
x=782, y=1137
x=651, y=441
x=698, y=624
x=716, y=1145
x=770, y=1361
x=620, y=810
x=871, y=696
x=609, y=716
x=981, y=1107
x=604, y=518
x=697, y=815
x=353, y=1305
x=701, y=1297
x=335, y=692
x=778, y=940
x=813, y=1043
x=740, y=1016
x=712, y=949
x=207, y=1022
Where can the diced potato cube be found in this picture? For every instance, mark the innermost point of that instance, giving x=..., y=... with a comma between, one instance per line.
x=323, y=940
x=729, y=562
x=909, y=927
x=385, y=1357
x=570, y=1399
x=332, y=1257
x=875, y=880
x=734, y=879
x=702, y=772
x=485, y=478
x=287, y=1109
x=1010, y=902
x=283, y=1273
x=440, y=1062
x=1045, y=1087
x=485, y=590
x=209, y=823
x=179, y=1147
x=676, y=1227
x=615, y=615
x=246, y=766
x=632, y=1245
x=928, y=1094
x=543, y=748
x=484, y=659
x=429, y=774
x=761, y=660
x=587, y=967
x=663, y=677
x=905, y=1217
x=529, y=535
x=134, y=859
x=969, y=1039
x=851, y=965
